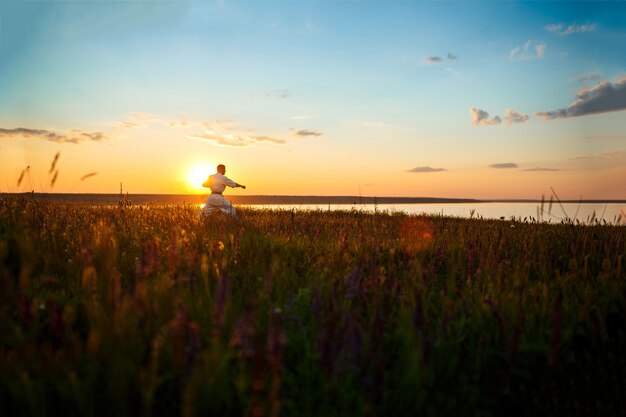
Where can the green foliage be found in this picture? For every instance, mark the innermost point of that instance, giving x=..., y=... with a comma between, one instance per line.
x=156, y=310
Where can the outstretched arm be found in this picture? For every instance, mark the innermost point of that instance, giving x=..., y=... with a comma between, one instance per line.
x=233, y=184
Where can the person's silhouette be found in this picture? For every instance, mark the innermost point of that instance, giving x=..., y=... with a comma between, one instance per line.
x=218, y=183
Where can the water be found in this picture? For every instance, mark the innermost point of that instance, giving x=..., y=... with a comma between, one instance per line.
x=610, y=212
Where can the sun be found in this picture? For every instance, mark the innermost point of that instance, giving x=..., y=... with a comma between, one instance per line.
x=197, y=175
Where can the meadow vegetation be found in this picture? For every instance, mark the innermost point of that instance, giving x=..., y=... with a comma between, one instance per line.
x=155, y=310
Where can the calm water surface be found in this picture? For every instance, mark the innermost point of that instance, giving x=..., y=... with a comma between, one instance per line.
x=610, y=212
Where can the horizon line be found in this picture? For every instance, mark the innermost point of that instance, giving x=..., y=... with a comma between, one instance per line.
x=310, y=198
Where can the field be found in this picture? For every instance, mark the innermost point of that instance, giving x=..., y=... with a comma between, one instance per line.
x=154, y=310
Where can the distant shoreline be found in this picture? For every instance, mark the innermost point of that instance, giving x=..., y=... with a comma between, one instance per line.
x=277, y=199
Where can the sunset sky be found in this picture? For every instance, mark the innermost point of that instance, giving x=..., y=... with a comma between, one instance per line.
x=476, y=99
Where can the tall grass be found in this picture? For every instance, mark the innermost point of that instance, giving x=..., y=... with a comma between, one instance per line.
x=155, y=310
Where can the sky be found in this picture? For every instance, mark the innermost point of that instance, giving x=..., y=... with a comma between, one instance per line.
x=468, y=99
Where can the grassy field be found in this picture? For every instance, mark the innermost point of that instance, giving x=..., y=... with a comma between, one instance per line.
x=154, y=310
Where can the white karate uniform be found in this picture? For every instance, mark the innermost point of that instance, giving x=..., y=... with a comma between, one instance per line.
x=216, y=201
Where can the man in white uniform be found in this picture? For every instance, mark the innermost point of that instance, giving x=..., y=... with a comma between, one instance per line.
x=216, y=201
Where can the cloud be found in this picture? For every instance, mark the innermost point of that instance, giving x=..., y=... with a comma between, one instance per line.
x=560, y=29
x=127, y=125
x=503, y=165
x=438, y=60
x=511, y=116
x=606, y=137
x=586, y=77
x=306, y=132
x=541, y=50
x=537, y=169
x=71, y=136
x=280, y=94
x=554, y=27
x=602, y=98
x=481, y=117
x=453, y=72
x=223, y=132
x=602, y=161
x=529, y=51
x=267, y=139
x=599, y=157
x=426, y=169
x=230, y=140
x=433, y=59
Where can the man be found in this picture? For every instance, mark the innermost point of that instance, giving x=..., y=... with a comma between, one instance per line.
x=216, y=201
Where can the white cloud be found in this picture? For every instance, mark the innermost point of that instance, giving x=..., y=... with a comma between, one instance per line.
x=231, y=140
x=554, y=27
x=481, y=117
x=560, y=29
x=454, y=72
x=573, y=28
x=511, y=116
x=223, y=132
x=529, y=51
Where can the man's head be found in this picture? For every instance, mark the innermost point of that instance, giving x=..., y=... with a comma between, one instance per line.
x=221, y=168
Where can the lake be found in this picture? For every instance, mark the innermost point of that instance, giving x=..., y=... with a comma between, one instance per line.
x=610, y=212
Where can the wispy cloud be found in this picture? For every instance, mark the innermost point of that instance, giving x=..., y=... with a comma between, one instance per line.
x=280, y=94
x=601, y=98
x=602, y=161
x=540, y=169
x=561, y=29
x=586, y=77
x=433, y=59
x=454, y=72
x=137, y=120
x=504, y=165
x=600, y=157
x=127, y=125
x=222, y=132
x=72, y=136
x=306, y=132
x=511, y=116
x=481, y=117
x=529, y=51
x=605, y=137
x=230, y=140
x=426, y=169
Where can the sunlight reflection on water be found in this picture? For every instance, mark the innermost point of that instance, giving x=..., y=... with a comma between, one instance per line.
x=610, y=212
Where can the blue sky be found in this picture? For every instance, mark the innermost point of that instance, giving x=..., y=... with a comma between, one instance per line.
x=462, y=99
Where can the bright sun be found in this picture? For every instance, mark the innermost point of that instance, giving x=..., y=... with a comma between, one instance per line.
x=198, y=175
